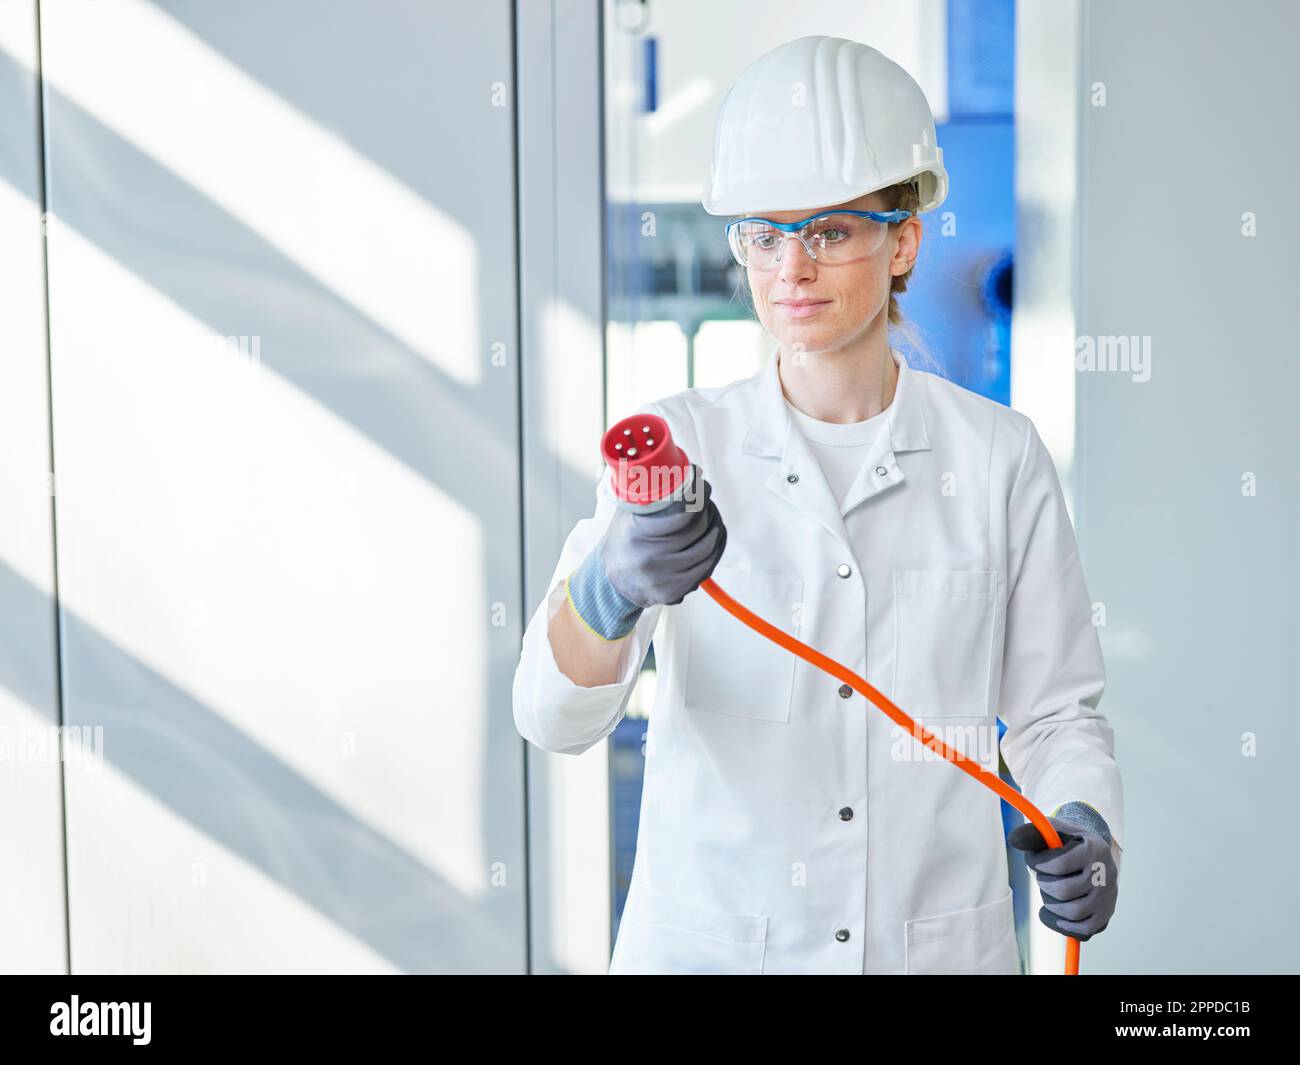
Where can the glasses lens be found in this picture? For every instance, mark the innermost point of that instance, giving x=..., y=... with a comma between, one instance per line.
x=755, y=243
x=842, y=238
x=832, y=238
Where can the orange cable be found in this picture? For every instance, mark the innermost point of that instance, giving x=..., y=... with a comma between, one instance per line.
x=926, y=738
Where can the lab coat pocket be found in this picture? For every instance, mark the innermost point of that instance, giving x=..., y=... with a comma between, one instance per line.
x=943, y=635
x=668, y=935
x=979, y=940
x=731, y=669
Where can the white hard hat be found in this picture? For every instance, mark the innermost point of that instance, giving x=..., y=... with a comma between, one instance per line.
x=819, y=121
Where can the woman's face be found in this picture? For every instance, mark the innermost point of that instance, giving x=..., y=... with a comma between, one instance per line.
x=809, y=306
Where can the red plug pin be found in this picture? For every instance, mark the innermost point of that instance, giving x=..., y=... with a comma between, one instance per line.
x=648, y=472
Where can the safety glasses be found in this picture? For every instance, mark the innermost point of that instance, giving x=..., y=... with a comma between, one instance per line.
x=830, y=238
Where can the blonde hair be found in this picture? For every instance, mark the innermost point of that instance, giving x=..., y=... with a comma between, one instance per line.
x=905, y=196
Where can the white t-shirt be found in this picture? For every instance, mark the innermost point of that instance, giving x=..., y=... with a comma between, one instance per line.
x=840, y=448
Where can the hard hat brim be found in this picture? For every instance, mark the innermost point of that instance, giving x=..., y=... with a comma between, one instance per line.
x=769, y=197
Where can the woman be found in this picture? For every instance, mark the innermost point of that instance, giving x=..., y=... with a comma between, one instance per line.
x=909, y=529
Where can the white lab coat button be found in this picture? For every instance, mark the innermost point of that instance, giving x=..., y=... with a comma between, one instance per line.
x=842, y=935
x=846, y=813
x=881, y=470
x=844, y=570
x=845, y=691
x=793, y=478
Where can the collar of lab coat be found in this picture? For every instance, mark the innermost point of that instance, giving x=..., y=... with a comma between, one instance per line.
x=773, y=433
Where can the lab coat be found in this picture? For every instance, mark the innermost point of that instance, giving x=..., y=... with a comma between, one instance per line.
x=787, y=825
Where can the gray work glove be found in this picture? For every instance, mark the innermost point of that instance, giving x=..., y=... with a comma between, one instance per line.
x=1078, y=880
x=646, y=560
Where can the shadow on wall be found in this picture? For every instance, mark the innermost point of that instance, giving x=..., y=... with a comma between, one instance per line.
x=198, y=255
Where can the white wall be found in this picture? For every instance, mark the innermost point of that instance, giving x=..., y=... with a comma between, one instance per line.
x=289, y=565
x=31, y=793
x=1185, y=115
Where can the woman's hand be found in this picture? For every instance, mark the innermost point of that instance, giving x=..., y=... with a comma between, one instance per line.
x=646, y=560
x=660, y=558
x=1078, y=880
